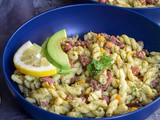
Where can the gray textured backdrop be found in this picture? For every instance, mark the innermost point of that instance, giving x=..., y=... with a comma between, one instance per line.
x=14, y=13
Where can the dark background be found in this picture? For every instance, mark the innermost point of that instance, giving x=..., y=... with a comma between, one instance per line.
x=14, y=13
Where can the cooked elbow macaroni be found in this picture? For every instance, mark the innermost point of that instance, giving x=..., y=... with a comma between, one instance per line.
x=97, y=88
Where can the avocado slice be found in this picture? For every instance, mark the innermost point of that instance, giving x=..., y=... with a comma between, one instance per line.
x=60, y=71
x=55, y=51
x=45, y=54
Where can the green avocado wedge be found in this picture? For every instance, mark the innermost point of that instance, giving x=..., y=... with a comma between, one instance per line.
x=45, y=53
x=60, y=71
x=55, y=51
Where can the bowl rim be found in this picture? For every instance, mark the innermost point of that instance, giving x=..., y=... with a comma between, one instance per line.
x=131, y=8
x=10, y=86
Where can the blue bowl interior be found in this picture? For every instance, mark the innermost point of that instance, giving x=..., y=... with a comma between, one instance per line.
x=85, y=18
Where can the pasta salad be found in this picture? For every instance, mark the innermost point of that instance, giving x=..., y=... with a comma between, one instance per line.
x=111, y=75
x=132, y=3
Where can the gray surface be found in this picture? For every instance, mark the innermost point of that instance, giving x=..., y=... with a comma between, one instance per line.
x=14, y=13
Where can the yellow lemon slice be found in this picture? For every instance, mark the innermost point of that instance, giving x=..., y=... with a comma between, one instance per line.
x=29, y=61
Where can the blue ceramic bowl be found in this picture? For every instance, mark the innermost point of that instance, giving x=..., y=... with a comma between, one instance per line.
x=79, y=19
x=152, y=13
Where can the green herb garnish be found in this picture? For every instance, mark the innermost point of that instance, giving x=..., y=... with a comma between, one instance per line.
x=106, y=61
x=94, y=65
x=158, y=81
x=97, y=65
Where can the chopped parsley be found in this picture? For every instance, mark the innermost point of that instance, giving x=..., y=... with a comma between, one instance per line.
x=106, y=61
x=97, y=65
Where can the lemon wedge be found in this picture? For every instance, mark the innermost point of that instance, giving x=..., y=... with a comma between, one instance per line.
x=29, y=61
